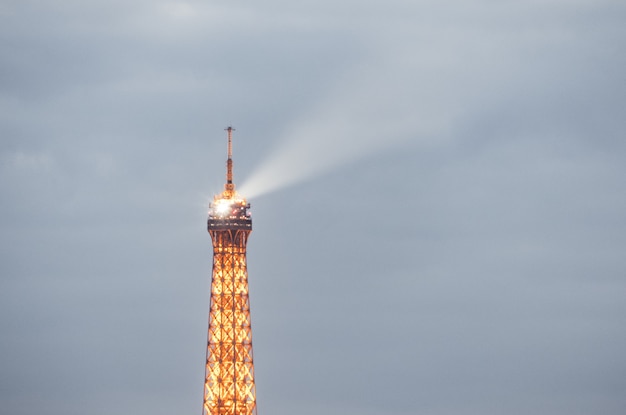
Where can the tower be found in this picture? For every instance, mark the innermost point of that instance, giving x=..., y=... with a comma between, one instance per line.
x=229, y=374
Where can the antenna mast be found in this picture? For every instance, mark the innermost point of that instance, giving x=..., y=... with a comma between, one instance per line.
x=229, y=186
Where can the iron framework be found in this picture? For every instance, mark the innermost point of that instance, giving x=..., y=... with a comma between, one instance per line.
x=229, y=387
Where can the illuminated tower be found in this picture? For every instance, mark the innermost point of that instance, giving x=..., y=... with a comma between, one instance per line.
x=229, y=375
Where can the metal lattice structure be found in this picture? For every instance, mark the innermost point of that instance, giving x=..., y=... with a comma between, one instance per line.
x=229, y=387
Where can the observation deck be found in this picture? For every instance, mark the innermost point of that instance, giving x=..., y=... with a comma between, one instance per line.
x=229, y=214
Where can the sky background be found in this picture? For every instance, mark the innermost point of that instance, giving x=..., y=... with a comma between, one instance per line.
x=438, y=193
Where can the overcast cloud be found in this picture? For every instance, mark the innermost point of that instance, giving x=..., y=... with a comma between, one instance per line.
x=438, y=193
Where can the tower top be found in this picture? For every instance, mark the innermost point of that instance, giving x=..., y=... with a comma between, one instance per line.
x=229, y=187
x=229, y=210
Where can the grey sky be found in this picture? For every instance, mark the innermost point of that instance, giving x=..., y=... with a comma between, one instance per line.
x=438, y=193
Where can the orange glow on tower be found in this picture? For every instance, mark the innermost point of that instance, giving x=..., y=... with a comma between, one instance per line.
x=229, y=387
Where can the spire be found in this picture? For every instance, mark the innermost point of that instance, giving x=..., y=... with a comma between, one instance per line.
x=229, y=186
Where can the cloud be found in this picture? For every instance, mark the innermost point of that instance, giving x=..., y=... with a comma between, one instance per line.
x=449, y=234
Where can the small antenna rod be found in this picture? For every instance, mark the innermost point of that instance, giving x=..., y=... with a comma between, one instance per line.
x=230, y=186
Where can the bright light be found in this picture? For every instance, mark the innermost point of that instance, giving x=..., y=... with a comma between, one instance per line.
x=229, y=205
x=222, y=207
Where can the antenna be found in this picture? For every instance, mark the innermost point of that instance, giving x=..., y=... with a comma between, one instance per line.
x=229, y=186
